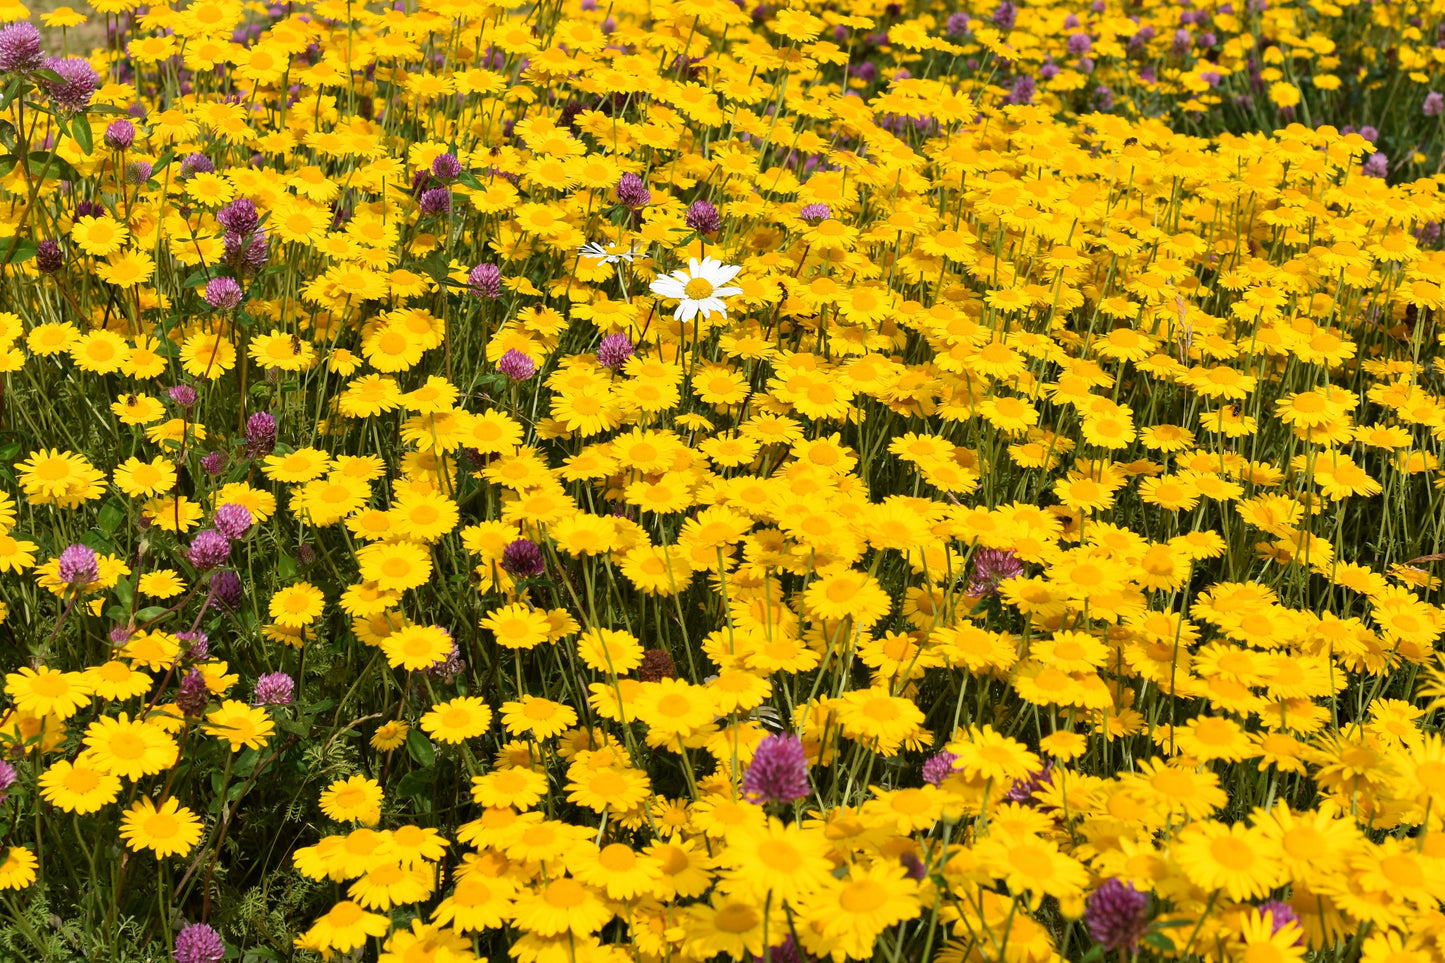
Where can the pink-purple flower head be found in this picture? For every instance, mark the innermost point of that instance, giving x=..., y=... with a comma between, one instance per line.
x=485, y=281
x=778, y=772
x=223, y=294
x=119, y=134
x=78, y=566
x=274, y=689
x=232, y=520
x=614, y=350
x=20, y=47
x=199, y=943
x=209, y=549
x=516, y=365
x=1117, y=915
x=77, y=84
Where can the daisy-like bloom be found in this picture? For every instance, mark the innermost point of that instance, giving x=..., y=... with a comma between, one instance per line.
x=78, y=787
x=416, y=647
x=167, y=830
x=241, y=725
x=18, y=869
x=699, y=288
x=608, y=253
x=346, y=927
x=357, y=798
x=123, y=747
x=390, y=735
x=463, y=718
x=48, y=692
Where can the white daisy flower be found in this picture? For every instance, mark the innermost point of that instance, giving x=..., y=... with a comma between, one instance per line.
x=609, y=253
x=699, y=289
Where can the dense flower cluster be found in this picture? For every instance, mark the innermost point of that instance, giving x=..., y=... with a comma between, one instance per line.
x=674, y=481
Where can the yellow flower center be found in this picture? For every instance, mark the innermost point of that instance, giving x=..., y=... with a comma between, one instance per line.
x=698, y=288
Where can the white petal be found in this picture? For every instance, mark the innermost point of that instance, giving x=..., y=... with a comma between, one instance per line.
x=668, y=287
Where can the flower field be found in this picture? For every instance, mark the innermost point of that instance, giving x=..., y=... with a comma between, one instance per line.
x=590, y=482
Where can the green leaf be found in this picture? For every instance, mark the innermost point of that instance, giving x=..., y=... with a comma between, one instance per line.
x=293, y=727
x=12, y=90
x=246, y=762
x=1159, y=941
x=57, y=167
x=80, y=130
x=437, y=266
x=46, y=74
x=420, y=749
x=111, y=515
x=10, y=451
x=22, y=251
x=7, y=135
x=149, y=612
x=1096, y=952
x=196, y=279
x=413, y=784
x=124, y=592
x=469, y=179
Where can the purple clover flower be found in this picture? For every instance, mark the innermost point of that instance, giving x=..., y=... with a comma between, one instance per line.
x=939, y=767
x=232, y=520
x=614, y=350
x=79, y=566
x=814, y=214
x=239, y=216
x=260, y=434
x=209, y=549
x=119, y=134
x=990, y=567
x=632, y=191
x=48, y=257
x=20, y=47
x=1280, y=914
x=227, y=590
x=516, y=365
x=274, y=689
x=523, y=559
x=249, y=251
x=1434, y=104
x=223, y=293
x=196, y=163
x=703, y=218
x=77, y=86
x=192, y=694
x=778, y=772
x=436, y=202
x=199, y=943
x=485, y=281
x=214, y=464
x=446, y=167
x=1117, y=915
